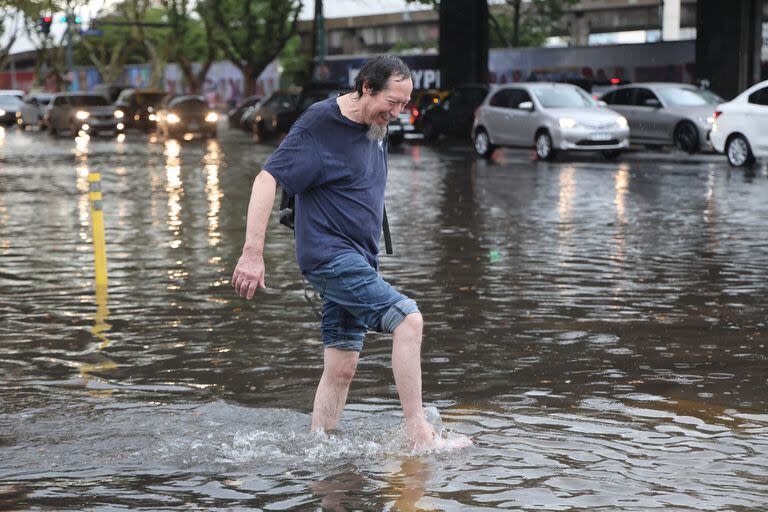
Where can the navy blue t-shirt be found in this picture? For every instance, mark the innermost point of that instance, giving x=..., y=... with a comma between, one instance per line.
x=338, y=176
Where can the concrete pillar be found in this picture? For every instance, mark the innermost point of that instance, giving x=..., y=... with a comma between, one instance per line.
x=578, y=29
x=463, y=42
x=670, y=20
x=728, y=44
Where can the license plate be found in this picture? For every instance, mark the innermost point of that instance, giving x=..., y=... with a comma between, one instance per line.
x=193, y=126
x=600, y=136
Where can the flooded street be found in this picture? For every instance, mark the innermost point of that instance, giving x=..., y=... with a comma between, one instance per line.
x=598, y=328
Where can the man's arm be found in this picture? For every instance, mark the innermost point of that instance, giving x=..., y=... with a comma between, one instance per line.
x=249, y=273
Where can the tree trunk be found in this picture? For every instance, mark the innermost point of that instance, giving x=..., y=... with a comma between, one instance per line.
x=516, y=30
x=250, y=74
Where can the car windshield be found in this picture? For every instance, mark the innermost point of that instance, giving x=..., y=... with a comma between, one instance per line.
x=88, y=101
x=10, y=101
x=149, y=98
x=562, y=97
x=188, y=103
x=688, y=97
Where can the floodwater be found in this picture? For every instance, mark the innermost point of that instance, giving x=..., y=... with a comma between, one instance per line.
x=598, y=329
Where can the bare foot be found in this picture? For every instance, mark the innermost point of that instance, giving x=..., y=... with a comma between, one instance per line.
x=424, y=438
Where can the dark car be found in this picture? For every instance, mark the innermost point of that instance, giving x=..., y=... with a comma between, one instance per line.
x=455, y=114
x=311, y=93
x=140, y=107
x=76, y=112
x=262, y=120
x=10, y=106
x=110, y=91
x=186, y=115
x=236, y=114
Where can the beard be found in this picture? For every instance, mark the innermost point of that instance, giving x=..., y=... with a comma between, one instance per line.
x=377, y=132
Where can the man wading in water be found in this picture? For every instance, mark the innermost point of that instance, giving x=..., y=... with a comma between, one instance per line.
x=334, y=160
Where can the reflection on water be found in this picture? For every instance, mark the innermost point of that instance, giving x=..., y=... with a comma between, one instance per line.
x=597, y=328
x=212, y=162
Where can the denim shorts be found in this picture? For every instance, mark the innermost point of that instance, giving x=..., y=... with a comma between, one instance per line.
x=356, y=299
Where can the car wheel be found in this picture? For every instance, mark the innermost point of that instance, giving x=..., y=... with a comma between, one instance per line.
x=544, y=148
x=429, y=131
x=483, y=146
x=738, y=151
x=611, y=154
x=686, y=137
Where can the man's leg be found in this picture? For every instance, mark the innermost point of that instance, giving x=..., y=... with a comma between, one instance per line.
x=338, y=369
x=406, y=365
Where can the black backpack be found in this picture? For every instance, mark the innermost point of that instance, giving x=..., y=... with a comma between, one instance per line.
x=287, y=218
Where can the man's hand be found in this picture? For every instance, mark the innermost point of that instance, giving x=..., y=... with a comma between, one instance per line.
x=248, y=275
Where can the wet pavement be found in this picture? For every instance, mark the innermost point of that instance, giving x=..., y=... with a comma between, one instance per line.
x=598, y=328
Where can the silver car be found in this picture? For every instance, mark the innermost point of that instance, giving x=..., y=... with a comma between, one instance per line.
x=76, y=112
x=550, y=117
x=666, y=113
x=32, y=112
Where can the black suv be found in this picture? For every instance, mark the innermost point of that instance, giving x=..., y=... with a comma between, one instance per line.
x=455, y=114
x=312, y=92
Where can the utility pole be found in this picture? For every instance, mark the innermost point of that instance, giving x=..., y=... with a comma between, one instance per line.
x=318, y=41
x=68, y=34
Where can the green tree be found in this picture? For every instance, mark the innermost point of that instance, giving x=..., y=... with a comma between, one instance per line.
x=251, y=33
x=190, y=39
x=10, y=19
x=529, y=22
x=50, y=53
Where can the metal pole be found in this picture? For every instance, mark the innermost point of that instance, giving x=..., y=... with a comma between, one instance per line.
x=70, y=71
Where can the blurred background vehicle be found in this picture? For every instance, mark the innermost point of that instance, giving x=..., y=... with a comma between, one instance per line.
x=10, y=106
x=140, y=107
x=12, y=92
x=407, y=121
x=110, y=91
x=261, y=119
x=311, y=93
x=550, y=117
x=32, y=111
x=75, y=112
x=186, y=115
x=666, y=113
x=235, y=115
x=454, y=114
x=740, y=128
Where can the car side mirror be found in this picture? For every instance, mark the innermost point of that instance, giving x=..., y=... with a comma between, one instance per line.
x=526, y=105
x=601, y=103
x=652, y=102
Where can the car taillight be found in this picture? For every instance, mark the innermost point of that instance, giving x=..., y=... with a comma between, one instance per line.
x=717, y=114
x=414, y=114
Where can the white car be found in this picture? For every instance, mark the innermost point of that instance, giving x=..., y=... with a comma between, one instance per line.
x=740, y=129
x=550, y=117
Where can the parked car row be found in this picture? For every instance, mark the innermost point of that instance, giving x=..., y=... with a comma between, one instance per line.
x=73, y=113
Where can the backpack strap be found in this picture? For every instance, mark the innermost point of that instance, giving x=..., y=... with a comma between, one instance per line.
x=387, y=235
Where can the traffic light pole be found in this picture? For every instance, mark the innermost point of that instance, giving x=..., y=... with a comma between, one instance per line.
x=68, y=33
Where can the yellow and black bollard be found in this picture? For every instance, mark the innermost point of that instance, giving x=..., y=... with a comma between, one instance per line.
x=97, y=220
x=98, y=362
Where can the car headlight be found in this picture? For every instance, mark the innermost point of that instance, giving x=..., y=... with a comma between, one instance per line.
x=706, y=120
x=622, y=122
x=2, y=112
x=172, y=118
x=212, y=117
x=82, y=115
x=567, y=122
x=119, y=114
x=152, y=117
